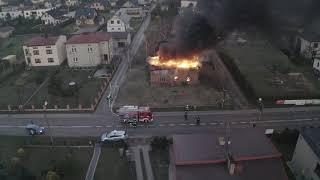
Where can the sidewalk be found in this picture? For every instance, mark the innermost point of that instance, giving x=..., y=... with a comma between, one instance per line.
x=147, y=163
x=93, y=163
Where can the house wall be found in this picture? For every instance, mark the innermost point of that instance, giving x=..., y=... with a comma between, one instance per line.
x=98, y=6
x=307, y=47
x=47, y=19
x=115, y=26
x=86, y=57
x=316, y=64
x=304, y=160
x=13, y=14
x=58, y=53
x=37, y=13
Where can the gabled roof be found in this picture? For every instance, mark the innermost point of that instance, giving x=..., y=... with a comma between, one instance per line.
x=42, y=41
x=84, y=38
x=312, y=137
x=88, y=12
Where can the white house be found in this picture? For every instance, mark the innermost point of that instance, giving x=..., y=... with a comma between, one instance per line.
x=89, y=49
x=316, y=66
x=100, y=5
x=305, y=162
x=71, y=3
x=117, y=24
x=144, y=2
x=35, y=13
x=45, y=51
x=54, y=17
x=308, y=44
x=188, y=5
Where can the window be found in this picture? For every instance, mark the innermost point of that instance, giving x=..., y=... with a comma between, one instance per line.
x=27, y=51
x=318, y=64
x=35, y=52
x=90, y=49
x=37, y=61
x=121, y=44
x=35, y=47
x=317, y=170
x=73, y=50
x=118, y=21
x=50, y=60
x=75, y=59
x=48, y=46
x=315, y=45
x=49, y=51
x=119, y=29
x=112, y=22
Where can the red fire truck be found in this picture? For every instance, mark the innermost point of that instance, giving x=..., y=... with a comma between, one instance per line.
x=129, y=114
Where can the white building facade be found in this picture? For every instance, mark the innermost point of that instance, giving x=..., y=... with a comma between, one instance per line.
x=89, y=49
x=116, y=24
x=45, y=51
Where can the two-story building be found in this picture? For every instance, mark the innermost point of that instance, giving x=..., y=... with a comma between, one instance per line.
x=35, y=12
x=305, y=162
x=117, y=24
x=89, y=49
x=188, y=5
x=88, y=17
x=308, y=44
x=55, y=17
x=45, y=50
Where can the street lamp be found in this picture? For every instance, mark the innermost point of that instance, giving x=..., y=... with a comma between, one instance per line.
x=45, y=117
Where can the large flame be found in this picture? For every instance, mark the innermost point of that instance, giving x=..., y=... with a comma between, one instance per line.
x=183, y=63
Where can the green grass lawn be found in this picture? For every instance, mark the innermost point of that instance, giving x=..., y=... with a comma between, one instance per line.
x=13, y=45
x=160, y=164
x=88, y=89
x=71, y=162
x=266, y=68
x=112, y=167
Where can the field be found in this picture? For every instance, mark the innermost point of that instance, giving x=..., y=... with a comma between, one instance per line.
x=58, y=92
x=112, y=166
x=268, y=71
x=137, y=90
x=19, y=84
x=70, y=163
x=13, y=45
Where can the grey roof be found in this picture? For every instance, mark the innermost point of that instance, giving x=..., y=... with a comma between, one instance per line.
x=205, y=149
x=264, y=169
x=88, y=12
x=102, y=2
x=57, y=13
x=312, y=137
x=6, y=29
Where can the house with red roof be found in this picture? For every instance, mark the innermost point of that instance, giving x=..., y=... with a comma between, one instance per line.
x=241, y=154
x=89, y=49
x=45, y=50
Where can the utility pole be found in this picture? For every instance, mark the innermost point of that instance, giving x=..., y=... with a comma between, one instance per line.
x=45, y=117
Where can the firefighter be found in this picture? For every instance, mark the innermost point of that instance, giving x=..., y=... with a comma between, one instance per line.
x=185, y=115
x=198, y=120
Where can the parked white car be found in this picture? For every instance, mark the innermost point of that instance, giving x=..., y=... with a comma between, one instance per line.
x=114, y=136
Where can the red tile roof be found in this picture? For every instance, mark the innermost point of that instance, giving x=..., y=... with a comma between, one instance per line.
x=42, y=41
x=95, y=37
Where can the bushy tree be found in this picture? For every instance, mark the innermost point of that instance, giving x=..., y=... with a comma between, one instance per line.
x=51, y=175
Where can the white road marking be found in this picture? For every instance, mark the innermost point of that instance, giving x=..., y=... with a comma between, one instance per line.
x=243, y=122
x=98, y=126
x=213, y=123
x=161, y=125
x=192, y=124
x=171, y=125
x=203, y=124
x=108, y=126
x=182, y=124
x=234, y=122
x=76, y=126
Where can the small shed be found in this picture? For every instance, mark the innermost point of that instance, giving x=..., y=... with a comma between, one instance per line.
x=12, y=59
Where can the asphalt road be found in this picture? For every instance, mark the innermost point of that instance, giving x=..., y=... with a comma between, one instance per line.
x=77, y=125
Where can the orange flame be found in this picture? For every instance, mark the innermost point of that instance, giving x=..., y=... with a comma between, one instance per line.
x=183, y=63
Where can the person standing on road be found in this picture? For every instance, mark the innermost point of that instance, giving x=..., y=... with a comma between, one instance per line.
x=185, y=115
x=198, y=120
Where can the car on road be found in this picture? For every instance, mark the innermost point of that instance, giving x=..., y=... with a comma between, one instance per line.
x=114, y=136
x=34, y=129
